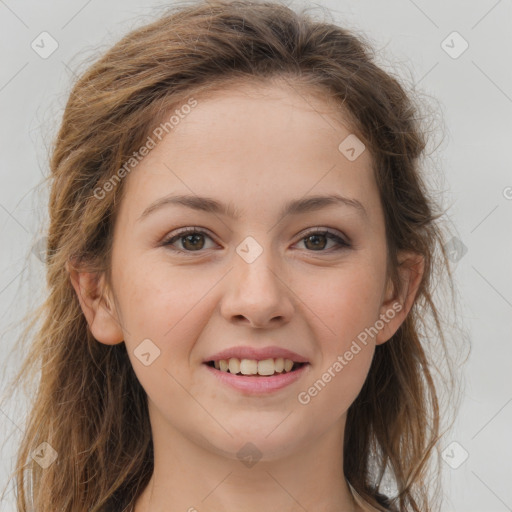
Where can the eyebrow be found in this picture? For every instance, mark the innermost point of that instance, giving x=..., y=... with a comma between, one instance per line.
x=293, y=207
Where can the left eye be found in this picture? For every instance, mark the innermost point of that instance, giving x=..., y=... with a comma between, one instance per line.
x=314, y=236
x=192, y=240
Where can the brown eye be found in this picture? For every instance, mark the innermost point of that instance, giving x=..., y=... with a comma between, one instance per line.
x=192, y=240
x=318, y=240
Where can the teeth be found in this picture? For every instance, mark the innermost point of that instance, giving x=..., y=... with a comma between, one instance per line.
x=234, y=365
x=248, y=367
x=264, y=367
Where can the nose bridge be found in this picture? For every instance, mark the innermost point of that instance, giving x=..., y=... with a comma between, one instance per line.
x=255, y=266
x=256, y=289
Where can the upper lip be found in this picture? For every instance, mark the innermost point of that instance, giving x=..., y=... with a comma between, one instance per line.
x=272, y=352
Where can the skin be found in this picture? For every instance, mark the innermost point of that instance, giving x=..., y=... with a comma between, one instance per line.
x=256, y=148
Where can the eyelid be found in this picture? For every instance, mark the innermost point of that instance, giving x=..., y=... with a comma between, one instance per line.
x=181, y=232
x=326, y=231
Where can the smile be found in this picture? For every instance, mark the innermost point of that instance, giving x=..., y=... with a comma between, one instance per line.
x=244, y=375
x=254, y=367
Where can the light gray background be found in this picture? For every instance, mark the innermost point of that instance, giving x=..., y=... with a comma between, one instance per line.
x=474, y=92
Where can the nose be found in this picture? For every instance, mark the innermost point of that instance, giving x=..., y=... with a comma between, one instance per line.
x=257, y=293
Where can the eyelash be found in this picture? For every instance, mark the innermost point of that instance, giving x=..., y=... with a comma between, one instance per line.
x=197, y=231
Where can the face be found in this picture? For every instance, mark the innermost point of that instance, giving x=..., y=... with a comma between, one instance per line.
x=248, y=276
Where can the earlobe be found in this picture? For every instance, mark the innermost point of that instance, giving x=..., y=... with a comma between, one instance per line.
x=397, y=304
x=98, y=310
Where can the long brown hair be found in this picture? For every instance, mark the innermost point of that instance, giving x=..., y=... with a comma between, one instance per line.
x=89, y=406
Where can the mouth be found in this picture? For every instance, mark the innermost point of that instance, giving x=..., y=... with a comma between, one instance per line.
x=256, y=368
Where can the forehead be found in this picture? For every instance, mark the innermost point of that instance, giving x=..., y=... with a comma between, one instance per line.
x=266, y=140
x=264, y=110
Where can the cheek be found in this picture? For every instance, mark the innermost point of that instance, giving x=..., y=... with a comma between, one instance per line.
x=347, y=307
x=331, y=390
x=345, y=303
x=166, y=306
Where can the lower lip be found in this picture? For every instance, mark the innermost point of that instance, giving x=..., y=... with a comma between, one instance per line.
x=258, y=385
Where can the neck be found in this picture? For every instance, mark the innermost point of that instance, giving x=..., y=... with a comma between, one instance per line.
x=189, y=476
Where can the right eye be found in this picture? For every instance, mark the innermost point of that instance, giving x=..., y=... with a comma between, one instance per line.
x=191, y=239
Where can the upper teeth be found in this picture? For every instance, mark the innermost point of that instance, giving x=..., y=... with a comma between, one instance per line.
x=254, y=367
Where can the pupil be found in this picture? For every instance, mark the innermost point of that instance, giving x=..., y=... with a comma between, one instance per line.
x=316, y=237
x=191, y=237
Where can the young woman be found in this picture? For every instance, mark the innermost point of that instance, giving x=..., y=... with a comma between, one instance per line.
x=241, y=259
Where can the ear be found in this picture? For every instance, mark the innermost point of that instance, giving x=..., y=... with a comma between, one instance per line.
x=97, y=307
x=398, y=303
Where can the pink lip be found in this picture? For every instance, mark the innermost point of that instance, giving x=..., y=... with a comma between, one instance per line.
x=254, y=385
x=256, y=353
